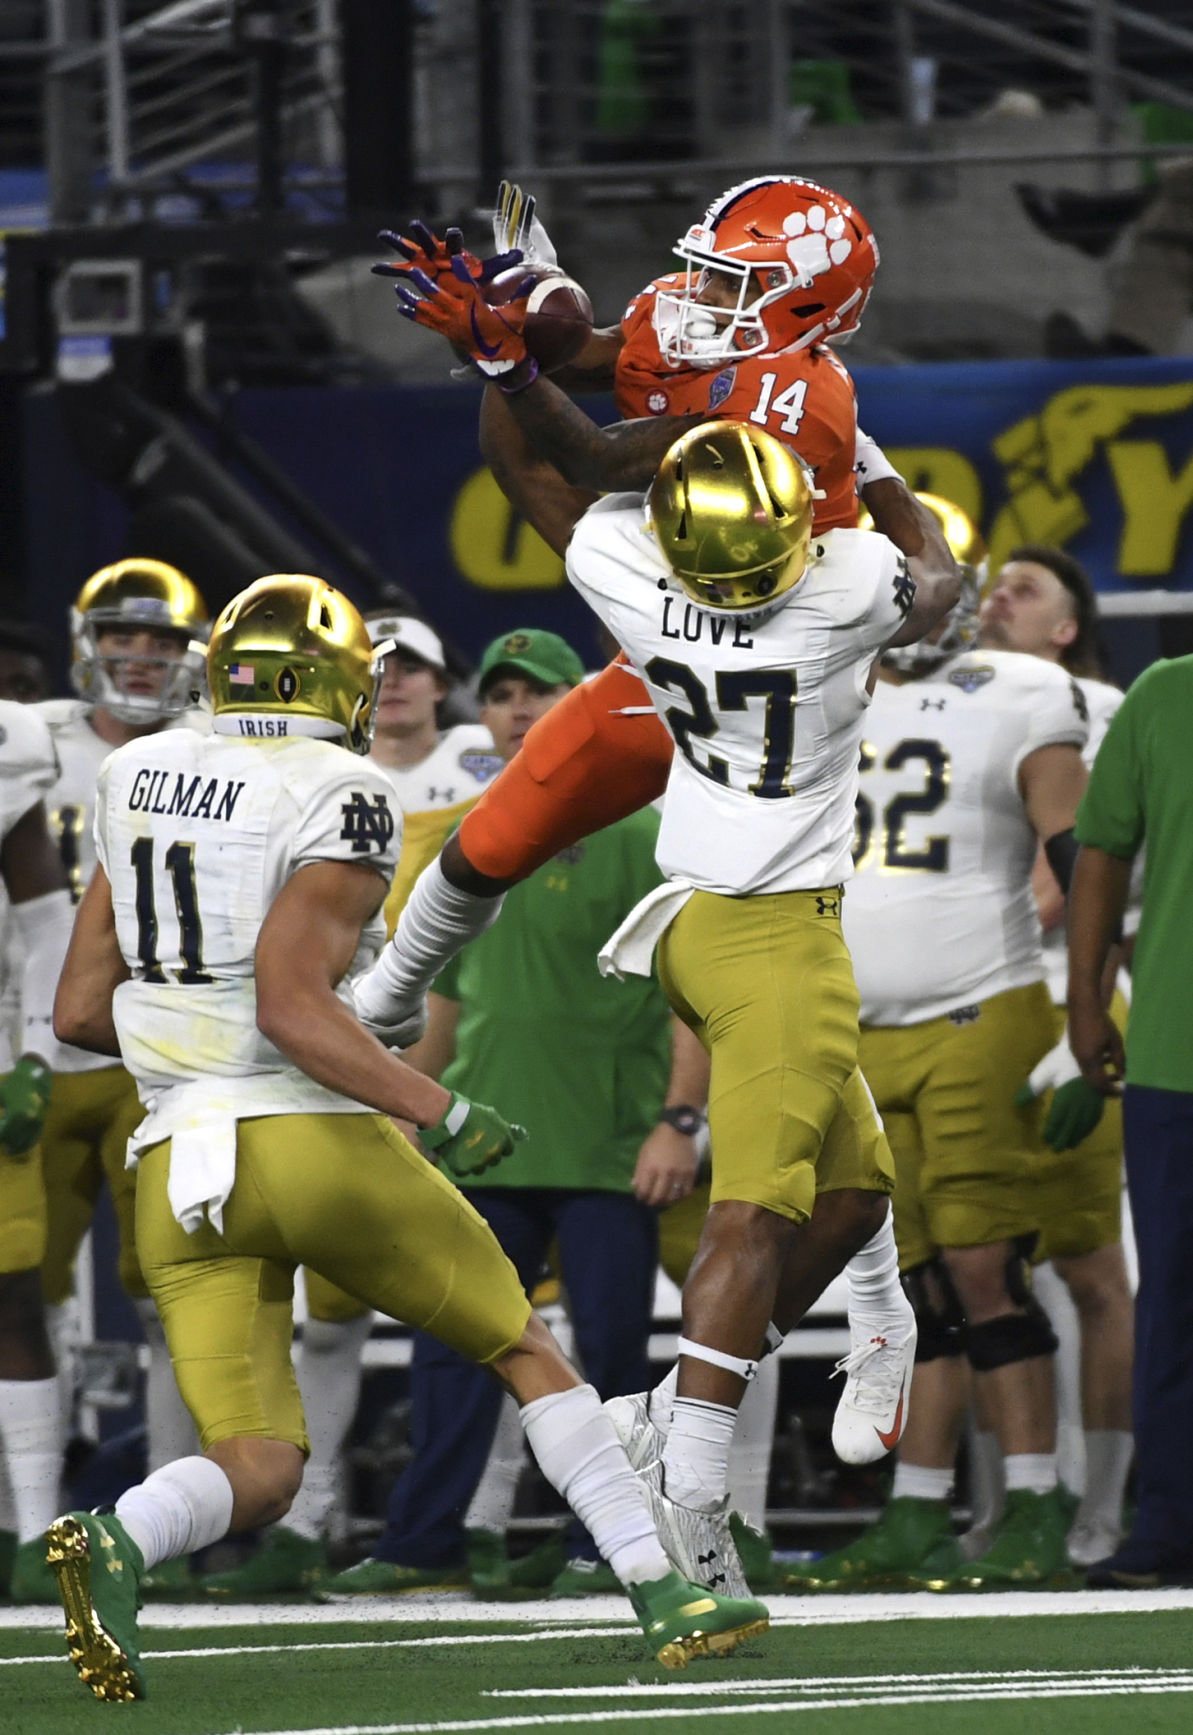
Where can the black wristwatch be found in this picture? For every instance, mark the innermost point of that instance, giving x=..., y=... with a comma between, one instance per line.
x=683, y=1117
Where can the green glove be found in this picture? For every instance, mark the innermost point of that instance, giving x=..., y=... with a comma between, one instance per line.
x=1076, y=1110
x=24, y=1099
x=470, y=1137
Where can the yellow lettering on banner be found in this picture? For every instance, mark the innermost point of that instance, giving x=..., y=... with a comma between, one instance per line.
x=494, y=548
x=1154, y=503
x=940, y=470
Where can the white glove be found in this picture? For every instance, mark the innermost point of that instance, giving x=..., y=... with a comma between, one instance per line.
x=396, y=1022
x=516, y=226
x=870, y=462
x=1059, y=1066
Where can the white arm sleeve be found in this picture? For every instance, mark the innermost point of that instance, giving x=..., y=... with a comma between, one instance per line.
x=44, y=925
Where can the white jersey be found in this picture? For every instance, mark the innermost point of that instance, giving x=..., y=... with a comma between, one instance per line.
x=766, y=713
x=198, y=834
x=1101, y=701
x=940, y=915
x=456, y=769
x=28, y=771
x=70, y=807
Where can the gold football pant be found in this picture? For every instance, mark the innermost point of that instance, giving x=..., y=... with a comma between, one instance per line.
x=1079, y=1193
x=767, y=985
x=91, y=1117
x=347, y=1196
x=22, y=1212
x=965, y=1156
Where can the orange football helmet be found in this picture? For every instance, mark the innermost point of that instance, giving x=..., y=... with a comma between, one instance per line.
x=802, y=260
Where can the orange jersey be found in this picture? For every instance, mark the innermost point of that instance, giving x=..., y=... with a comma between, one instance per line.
x=803, y=397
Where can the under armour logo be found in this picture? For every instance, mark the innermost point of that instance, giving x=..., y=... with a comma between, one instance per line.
x=447, y=796
x=108, y=1542
x=824, y=907
x=904, y=588
x=965, y=1015
x=932, y=704
x=367, y=822
x=709, y=1569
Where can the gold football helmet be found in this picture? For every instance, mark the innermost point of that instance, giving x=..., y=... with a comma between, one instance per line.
x=961, y=624
x=134, y=596
x=292, y=647
x=731, y=510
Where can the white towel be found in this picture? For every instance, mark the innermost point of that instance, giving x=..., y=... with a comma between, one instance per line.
x=631, y=949
x=202, y=1168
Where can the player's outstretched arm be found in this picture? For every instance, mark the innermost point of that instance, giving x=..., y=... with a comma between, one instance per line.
x=93, y=971
x=531, y=483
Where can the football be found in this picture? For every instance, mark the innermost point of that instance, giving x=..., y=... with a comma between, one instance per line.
x=558, y=312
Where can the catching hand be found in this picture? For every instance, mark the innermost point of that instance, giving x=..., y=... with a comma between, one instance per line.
x=24, y=1099
x=517, y=229
x=471, y=1137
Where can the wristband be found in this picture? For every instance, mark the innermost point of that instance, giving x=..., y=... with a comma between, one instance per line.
x=510, y=384
x=871, y=462
x=683, y=1117
x=449, y=1123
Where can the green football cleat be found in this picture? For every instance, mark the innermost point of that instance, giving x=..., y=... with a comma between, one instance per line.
x=488, y=1561
x=683, y=1620
x=31, y=1580
x=528, y=1575
x=1028, y=1548
x=285, y=1562
x=583, y=1577
x=757, y=1555
x=911, y=1545
x=98, y=1568
x=171, y=1581
x=387, y=1578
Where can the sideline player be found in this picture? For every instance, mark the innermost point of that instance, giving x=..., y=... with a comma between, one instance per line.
x=269, y=1141
x=971, y=758
x=1042, y=603
x=132, y=628
x=39, y=911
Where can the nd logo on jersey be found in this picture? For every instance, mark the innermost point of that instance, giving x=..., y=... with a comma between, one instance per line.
x=366, y=822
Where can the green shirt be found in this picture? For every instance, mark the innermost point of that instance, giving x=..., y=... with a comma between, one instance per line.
x=1141, y=787
x=581, y=1059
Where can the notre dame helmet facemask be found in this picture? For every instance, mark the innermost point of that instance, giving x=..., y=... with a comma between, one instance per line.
x=292, y=647
x=731, y=510
x=132, y=596
x=961, y=624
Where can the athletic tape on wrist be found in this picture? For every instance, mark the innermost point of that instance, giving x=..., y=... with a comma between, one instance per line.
x=732, y=1364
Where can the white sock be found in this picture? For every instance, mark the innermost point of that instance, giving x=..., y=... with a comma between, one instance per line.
x=662, y=1400
x=169, y=1431
x=1035, y=1471
x=696, y=1455
x=492, y=1506
x=987, y=1480
x=177, y=1509
x=8, y=1510
x=31, y=1437
x=437, y=921
x=60, y=1324
x=876, y=1297
x=1108, y=1454
x=328, y=1370
x=919, y=1482
x=753, y=1438
x=573, y=1440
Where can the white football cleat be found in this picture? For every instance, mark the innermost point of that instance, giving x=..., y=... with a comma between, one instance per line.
x=872, y=1410
x=632, y=1424
x=698, y=1543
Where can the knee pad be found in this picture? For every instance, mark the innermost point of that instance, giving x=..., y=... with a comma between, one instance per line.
x=1010, y=1338
x=940, y=1324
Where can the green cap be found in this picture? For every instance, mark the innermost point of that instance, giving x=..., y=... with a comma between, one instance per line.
x=531, y=651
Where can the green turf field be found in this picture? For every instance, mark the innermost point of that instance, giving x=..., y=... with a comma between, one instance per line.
x=893, y=1666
